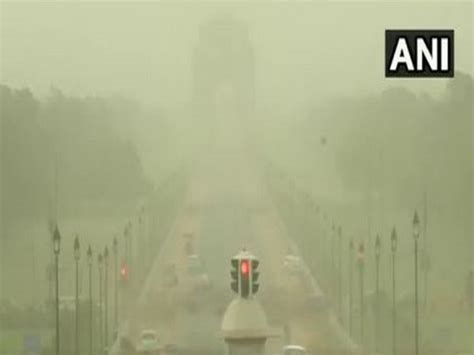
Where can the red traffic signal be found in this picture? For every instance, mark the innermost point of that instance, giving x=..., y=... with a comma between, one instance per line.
x=244, y=267
x=124, y=272
x=244, y=274
x=360, y=253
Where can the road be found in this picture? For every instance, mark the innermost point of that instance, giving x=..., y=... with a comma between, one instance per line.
x=225, y=210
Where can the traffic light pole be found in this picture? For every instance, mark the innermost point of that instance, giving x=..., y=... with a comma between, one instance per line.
x=246, y=333
x=244, y=274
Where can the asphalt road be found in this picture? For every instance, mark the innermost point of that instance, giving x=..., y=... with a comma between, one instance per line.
x=226, y=210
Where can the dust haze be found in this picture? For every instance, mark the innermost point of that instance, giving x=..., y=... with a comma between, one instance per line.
x=190, y=130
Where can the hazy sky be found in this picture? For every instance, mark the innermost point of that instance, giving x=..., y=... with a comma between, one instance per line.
x=304, y=50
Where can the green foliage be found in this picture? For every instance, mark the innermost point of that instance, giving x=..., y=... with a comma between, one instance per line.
x=400, y=143
x=97, y=167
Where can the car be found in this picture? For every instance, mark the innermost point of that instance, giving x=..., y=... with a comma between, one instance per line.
x=293, y=265
x=149, y=343
x=197, y=273
x=170, y=277
x=171, y=349
x=189, y=244
x=123, y=346
x=294, y=350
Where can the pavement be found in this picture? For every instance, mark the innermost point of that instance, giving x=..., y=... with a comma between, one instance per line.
x=227, y=208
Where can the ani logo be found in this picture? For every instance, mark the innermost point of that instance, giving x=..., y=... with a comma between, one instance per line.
x=419, y=53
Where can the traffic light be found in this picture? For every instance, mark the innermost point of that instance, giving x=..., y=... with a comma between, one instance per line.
x=255, y=275
x=244, y=274
x=234, y=273
x=244, y=278
x=124, y=273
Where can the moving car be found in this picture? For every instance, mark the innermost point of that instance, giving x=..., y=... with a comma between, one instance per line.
x=197, y=273
x=293, y=265
x=171, y=349
x=170, y=277
x=124, y=346
x=294, y=350
x=149, y=343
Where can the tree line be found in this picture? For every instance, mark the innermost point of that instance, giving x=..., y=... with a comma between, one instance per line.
x=66, y=153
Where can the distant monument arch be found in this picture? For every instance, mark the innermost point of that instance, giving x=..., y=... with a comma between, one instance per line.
x=223, y=69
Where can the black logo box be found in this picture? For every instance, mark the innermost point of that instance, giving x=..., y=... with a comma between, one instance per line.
x=391, y=39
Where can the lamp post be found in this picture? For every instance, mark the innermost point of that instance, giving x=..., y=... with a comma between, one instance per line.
x=321, y=244
x=77, y=256
x=326, y=253
x=127, y=244
x=393, y=240
x=106, y=286
x=339, y=271
x=350, y=263
x=333, y=262
x=115, y=247
x=89, y=262
x=140, y=246
x=360, y=259
x=56, y=249
x=377, y=291
x=101, y=329
x=416, y=237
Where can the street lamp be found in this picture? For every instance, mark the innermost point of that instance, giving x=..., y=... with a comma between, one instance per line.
x=101, y=329
x=339, y=274
x=106, y=284
x=393, y=240
x=89, y=262
x=350, y=263
x=321, y=242
x=56, y=249
x=77, y=256
x=360, y=260
x=140, y=247
x=416, y=237
x=115, y=248
x=127, y=244
x=333, y=262
x=377, y=291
